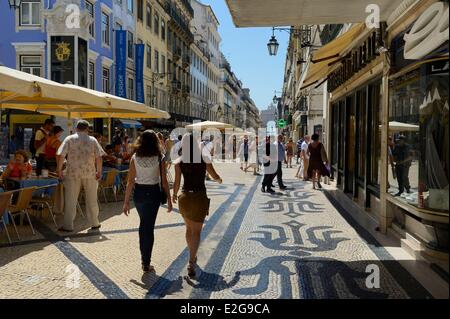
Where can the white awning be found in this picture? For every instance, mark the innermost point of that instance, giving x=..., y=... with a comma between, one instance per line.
x=267, y=13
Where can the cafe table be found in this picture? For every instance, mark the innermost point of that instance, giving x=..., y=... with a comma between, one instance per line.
x=37, y=182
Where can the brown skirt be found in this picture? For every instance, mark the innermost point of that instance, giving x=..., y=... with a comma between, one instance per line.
x=194, y=206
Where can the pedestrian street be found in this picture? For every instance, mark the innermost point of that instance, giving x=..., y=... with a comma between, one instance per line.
x=294, y=244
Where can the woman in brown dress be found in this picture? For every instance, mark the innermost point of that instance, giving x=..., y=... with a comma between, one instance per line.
x=193, y=202
x=289, y=153
x=317, y=158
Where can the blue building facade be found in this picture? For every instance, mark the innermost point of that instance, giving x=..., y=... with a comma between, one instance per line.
x=45, y=37
x=62, y=40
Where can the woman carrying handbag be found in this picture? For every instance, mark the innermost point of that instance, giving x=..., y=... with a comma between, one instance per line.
x=147, y=176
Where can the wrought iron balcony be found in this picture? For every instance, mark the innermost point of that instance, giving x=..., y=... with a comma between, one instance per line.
x=186, y=60
x=176, y=85
x=188, y=7
x=176, y=50
x=186, y=90
x=178, y=20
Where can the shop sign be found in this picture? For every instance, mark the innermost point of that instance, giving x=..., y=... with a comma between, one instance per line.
x=428, y=33
x=356, y=60
x=62, y=59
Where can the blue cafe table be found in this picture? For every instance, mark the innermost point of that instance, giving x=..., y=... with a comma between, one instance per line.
x=37, y=182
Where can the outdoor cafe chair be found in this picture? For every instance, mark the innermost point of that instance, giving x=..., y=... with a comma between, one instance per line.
x=47, y=199
x=109, y=182
x=22, y=205
x=5, y=201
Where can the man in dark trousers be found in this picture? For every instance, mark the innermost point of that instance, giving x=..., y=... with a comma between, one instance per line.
x=403, y=158
x=281, y=149
x=269, y=160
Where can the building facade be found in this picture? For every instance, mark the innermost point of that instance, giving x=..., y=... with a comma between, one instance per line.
x=179, y=40
x=207, y=39
x=62, y=40
x=302, y=107
x=199, y=83
x=152, y=22
x=384, y=95
x=388, y=125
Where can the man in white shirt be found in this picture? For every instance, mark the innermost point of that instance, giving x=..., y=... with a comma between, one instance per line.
x=84, y=169
x=305, y=156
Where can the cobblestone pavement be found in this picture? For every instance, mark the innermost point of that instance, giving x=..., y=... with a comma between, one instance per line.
x=293, y=244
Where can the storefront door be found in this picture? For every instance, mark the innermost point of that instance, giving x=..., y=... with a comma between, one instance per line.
x=350, y=144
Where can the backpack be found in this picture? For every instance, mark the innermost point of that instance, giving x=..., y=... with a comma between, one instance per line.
x=32, y=148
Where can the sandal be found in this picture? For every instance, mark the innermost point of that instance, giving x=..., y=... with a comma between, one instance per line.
x=191, y=268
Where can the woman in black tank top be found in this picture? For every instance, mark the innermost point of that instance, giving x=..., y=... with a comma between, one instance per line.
x=193, y=202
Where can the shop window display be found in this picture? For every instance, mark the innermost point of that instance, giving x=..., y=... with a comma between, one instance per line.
x=419, y=137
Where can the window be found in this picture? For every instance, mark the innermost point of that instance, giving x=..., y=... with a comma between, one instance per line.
x=90, y=10
x=130, y=45
x=30, y=12
x=149, y=15
x=163, y=64
x=418, y=127
x=156, y=64
x=130, y=6
x=140, y=9
x=163, y=29
x=91, y=75
x=362, y=101
x=149, y=56
x=31, y=64
x=105, y=80
x=156, y=23
x=130, y=89
x=105, y=28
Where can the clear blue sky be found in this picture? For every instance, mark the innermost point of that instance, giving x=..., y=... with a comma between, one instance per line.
x=246, y=50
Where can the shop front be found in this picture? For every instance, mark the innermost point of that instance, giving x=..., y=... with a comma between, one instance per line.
x=418, y=119
x=354, y=119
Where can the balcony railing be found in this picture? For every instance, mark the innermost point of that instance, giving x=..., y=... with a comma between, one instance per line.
x=179, y=20
x=186, y=60
x=176, y=86
x=186, y=90
x=176, y=50
x=188, y=7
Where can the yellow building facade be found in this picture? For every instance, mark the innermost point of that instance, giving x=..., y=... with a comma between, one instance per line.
x=151, y=29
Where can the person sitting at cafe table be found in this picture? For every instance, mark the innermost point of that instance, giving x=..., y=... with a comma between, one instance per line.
x=19, y=168
x=52, y=146
x=110, y=158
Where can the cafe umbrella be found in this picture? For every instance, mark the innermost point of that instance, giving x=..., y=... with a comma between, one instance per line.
x=23, y=91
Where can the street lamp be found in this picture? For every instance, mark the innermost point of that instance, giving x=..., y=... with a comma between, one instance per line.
x=303, y=32
x=273, y=44
x=14, y=4
x=276, y=98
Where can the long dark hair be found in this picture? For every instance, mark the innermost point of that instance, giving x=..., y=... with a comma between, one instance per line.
x=147, y=145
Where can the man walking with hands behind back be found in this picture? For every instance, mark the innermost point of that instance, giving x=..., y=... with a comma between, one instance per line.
x=84, y=169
